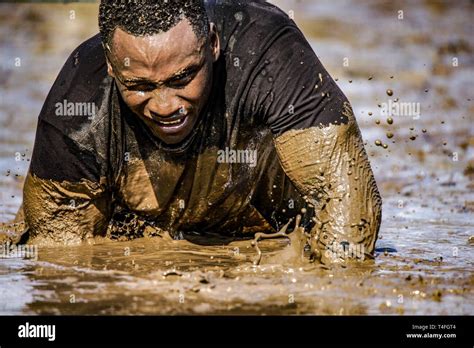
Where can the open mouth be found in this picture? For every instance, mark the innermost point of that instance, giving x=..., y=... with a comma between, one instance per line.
x=171, y=123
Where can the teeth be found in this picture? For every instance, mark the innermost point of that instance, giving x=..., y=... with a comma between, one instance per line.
x=171, y=122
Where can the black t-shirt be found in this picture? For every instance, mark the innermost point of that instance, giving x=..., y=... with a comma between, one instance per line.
x=267, y=81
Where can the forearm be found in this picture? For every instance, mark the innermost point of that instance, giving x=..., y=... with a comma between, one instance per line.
x=330, y=167
x=64, y=212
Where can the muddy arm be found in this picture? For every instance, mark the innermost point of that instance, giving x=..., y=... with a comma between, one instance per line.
x=64, y=212
x=330, y=167
x=66, y=197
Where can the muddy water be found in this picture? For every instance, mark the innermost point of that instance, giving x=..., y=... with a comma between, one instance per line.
x=424, y=263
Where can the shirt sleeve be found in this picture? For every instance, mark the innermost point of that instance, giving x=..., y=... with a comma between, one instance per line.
x=291, y=88
x=66, y=196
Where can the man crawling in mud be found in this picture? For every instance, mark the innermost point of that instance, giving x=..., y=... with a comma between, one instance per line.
x=185, y=118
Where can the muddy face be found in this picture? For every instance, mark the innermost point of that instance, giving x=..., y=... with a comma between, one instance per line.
x=166, y=78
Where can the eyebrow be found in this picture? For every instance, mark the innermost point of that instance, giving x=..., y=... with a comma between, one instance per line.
x=190, y=68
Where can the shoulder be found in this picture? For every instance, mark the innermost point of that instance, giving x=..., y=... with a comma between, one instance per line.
x=247, y=23
x=84, y=69
x=79, y=91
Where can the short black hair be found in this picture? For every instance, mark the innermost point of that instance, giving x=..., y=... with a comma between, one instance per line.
x=149, y=17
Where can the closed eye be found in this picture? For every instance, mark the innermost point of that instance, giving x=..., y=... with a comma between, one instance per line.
x=182, y=80
x=142, y=87
x=177, y=82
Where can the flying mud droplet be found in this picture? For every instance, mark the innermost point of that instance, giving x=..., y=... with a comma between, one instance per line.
x=385, y=146
x=424, y=130
x=413, y=137
x=390, y=120
x=377, y=121
x=378, y=142
x=389, y=135
x=389, y=92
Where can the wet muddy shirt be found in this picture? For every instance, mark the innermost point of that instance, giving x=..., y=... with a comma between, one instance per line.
x=89, y=162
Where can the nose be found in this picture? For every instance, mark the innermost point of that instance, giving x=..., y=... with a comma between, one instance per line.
x=164, y=104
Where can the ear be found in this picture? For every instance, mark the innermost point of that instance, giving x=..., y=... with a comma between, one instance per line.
x=110, y=71
x=215, y=42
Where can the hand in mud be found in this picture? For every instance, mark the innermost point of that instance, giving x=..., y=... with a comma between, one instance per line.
x=328, y=249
